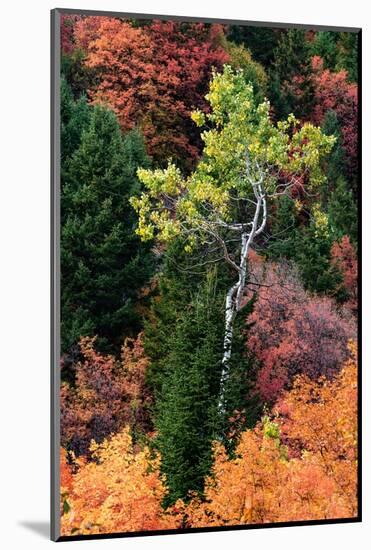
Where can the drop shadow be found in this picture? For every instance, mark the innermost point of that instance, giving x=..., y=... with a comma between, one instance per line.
x=41, y=528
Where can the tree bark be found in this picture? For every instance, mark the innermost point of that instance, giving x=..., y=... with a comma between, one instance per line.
x=235, y=293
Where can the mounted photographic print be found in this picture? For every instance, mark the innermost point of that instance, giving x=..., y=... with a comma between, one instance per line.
x=205, y=244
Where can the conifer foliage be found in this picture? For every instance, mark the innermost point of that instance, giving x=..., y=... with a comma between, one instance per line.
x=103, y=264
x=186, y=418
x=209, y=275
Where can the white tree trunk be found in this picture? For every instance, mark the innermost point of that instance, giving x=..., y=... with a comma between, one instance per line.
x=234, y=294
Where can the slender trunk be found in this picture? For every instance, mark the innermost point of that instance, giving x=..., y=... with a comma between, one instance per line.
x=232, y=306
x=234, y=294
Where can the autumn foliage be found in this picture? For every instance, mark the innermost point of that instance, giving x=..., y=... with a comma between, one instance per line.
x=153, y=76
x=264, y=484
x=294, y=332
x=119, y=491
x=160, y=428
x=298, y=464
x=68, y=23
x=333, y=92
x=344, y=258
x=106, y=395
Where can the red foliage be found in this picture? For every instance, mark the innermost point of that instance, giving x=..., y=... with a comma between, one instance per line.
x=153, y=76
x=107, y=395
x=68, y=23
x=344, y=258
x=87, y=30
x=294, y=332
x=333, y=91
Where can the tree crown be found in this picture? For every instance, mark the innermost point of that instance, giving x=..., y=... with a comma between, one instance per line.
x=242, y=148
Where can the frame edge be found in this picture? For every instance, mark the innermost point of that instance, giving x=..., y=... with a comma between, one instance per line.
x=55, y=273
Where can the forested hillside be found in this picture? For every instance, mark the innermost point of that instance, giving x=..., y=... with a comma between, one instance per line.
x=209, y=188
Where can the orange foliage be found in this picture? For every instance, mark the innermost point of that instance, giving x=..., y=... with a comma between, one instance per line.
x=322, y=420
x=65, y=472
x=344, y=258
x=264, y=484
x=120, y=491
x=153, y=76
x=300, y=464
x=106, y=396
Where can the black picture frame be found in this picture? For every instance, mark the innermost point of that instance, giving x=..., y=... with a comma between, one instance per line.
x=55, y=270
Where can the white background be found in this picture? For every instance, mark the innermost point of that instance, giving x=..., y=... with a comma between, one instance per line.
x=24, y=271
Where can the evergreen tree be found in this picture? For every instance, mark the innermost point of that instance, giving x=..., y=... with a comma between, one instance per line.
x=295, y=238
x=335, y=163
x=176, y=283
x=338, y=199
x=281, y=242
x=342, y=212
x=291, y=60
x=242, y=404
x=187, y=416
x=348, y=54
x=325, y=45
x=312, y=253
x=339, y=51
x=103, y=263
x=75, y=117
x=75, y=71
x=261, y=41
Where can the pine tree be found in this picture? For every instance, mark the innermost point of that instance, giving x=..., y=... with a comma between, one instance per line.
x=243, y=407
x=281, y=242
x=75, y=117
x=338, y=198
x=313, y=257
x=74, y=69
x=291, y=61
x=342, y=212
x=325, y=46
x=103, y=263
x=261, y=41
x=348, y=54
x=176, y=283
x=186, y=375
x=335, y=164
x=186, y=416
